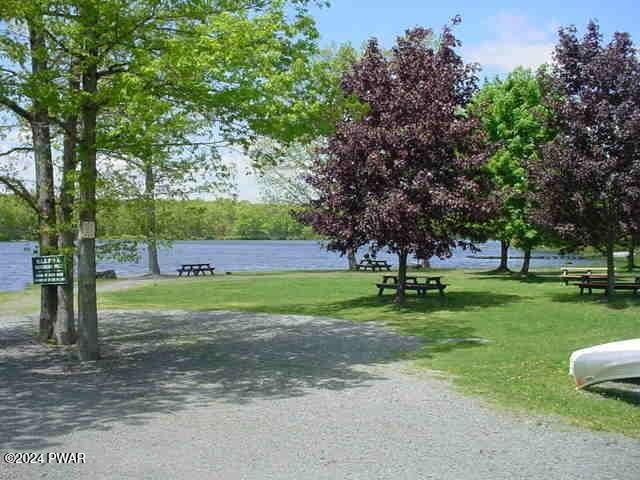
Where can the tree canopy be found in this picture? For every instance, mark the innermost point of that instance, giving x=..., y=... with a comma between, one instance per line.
x=404, y=175
x=516, y=121
x=587, y=182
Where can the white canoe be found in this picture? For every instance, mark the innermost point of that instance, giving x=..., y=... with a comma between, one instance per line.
x=602, y=363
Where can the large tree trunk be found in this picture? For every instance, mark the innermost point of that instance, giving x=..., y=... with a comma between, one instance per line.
x=631, y=259
x=87, y=308
x=45, y=192
x=65, y=329
x=611, y=273
x=526, y=262
x=151, y=223
x=402, y=276
x=504, y=256
x=351, y=257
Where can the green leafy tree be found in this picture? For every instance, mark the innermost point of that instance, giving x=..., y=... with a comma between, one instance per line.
x=514, y=119
x=242, y=64
x=154, y=149
x=283, y=169
x=17, y=220
x=27, y=90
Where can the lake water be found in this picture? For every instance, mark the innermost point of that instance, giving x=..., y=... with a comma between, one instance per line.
x=235, y=256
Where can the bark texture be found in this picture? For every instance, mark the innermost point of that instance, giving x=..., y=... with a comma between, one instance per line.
x=504, y=256
x=87, y=308
x=151, y=221
x=611, y=268
x=353, y=261
x=45, y=193
x=526, y=262
x=402, y=276
x=65, y=326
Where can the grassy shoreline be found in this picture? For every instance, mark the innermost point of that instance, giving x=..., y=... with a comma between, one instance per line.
x=502, y=337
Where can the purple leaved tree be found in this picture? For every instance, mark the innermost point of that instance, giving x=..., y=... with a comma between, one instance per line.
x=407, y=175
x=588, y=179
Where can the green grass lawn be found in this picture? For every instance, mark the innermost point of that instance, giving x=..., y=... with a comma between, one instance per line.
x=531, y=327
x=20, y=302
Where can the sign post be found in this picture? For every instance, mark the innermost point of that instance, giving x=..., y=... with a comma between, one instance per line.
x=49, y=270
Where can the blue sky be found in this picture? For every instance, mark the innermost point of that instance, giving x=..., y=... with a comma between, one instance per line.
x=499, y=35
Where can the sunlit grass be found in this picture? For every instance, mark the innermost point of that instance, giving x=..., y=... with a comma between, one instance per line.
x=21, y=302
x=505, y=338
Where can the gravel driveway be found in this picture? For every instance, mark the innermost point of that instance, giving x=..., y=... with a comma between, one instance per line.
x=220, y=395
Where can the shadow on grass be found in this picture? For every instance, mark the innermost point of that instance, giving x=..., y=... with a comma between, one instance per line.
x=621, y=301
x=382, y=307
x=533, y=277
x=156, y=363
x=626, y=391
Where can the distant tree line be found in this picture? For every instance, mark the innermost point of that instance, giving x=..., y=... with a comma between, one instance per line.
x=17, y=220
x=177, y=220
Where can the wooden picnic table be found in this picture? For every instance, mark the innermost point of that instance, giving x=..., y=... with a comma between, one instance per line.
x=412, y=278
x=588, y=284
x=578, y=273
x=374, y=265
x=420, y=283
x=195, y=269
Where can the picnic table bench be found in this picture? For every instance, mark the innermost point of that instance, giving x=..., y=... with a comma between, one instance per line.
x=588, y=284
x=420, y=283
x=373, y=265
x=195, y=269
x=575, y=273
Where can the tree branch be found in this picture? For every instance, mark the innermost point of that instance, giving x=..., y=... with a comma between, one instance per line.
x=16, y=149
x=17, y=187
x=17, y=109
x=116, y=68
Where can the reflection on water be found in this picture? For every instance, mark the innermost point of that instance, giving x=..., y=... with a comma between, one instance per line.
x=243, y=255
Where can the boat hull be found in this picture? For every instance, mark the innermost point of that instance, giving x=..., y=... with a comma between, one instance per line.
x=606, y=362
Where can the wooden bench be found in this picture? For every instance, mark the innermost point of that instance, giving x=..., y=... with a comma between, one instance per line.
x=413, y=282
x=571, y=273
x=373, y=265
x=588, y=284
x=195, y=269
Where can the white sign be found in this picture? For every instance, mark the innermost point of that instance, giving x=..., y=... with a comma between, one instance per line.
x=87, y=230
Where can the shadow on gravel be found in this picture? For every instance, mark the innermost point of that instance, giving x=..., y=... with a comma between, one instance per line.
x=154, y=362
x=414, y=317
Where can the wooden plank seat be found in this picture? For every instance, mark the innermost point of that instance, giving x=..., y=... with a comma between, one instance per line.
x=588, y=284
x=366, y=266
x=195, y=269
x=421, y=289
x=420, y=284
x=578, y=273
x=373, y=265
